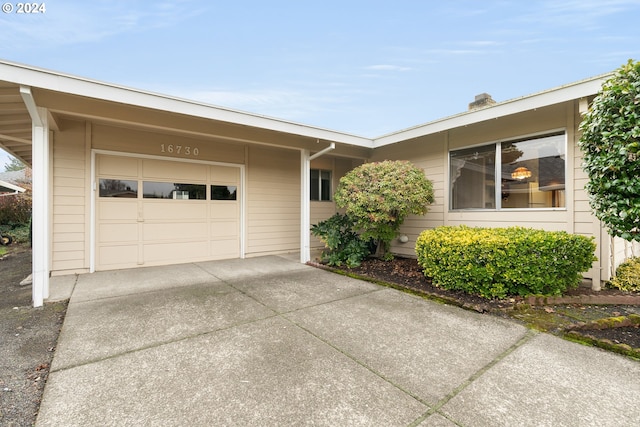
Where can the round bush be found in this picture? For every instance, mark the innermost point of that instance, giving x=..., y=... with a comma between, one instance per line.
x=628, y=276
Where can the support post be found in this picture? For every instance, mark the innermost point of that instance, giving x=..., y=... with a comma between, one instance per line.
x=40, y=196
x=305, y=209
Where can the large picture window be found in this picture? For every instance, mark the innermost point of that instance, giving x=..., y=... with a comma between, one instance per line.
x=531, y=174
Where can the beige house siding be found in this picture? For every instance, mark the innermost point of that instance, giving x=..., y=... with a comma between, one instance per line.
x=273, y=201
x=70, y=219
x=128, y=140
x=427, y=154
x=321, y=210
x=620, y=251
x=431, y=154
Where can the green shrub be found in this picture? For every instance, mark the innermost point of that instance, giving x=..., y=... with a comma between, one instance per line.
x=498, y=262
x=15, y=215
x=15, y=209
x=628, y=276
x=343, y=244
x=18, y=232
x=379, y=196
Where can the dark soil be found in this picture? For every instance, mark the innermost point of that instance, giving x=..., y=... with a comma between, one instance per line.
x=625, y=335
x=558, y=319
x=28, y=336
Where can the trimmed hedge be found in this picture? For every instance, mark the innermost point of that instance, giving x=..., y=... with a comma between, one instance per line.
x=498, y=262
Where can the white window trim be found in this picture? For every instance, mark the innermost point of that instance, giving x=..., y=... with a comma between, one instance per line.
x=498, y=171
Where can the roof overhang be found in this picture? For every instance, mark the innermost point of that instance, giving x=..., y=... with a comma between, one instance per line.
x=66, y=96
x=578, y=90
x=7, y=189
x=41, y=80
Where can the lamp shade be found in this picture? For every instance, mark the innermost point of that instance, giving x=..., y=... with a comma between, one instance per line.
x=521, y=173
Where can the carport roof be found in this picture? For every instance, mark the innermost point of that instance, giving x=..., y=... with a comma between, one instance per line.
x=54, y=90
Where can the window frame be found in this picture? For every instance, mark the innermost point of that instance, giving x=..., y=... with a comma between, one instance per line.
x=498, y=172
x=320, y=180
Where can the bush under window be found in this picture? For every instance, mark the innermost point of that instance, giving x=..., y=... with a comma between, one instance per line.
x=499, y=262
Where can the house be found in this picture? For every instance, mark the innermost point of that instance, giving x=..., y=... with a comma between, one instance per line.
x=8, y=189
x=124, y=178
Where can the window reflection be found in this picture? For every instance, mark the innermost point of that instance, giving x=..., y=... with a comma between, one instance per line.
x=224, y=192
x=532, y=174
x=320, y=185
x=472, y=174
x=118, y=188
x=176, y=191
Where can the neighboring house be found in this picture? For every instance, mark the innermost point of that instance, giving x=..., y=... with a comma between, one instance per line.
x=8, y=189
x=19, y=177
x=124, y=178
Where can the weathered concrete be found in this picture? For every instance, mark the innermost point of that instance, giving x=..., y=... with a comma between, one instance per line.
x=270, y=342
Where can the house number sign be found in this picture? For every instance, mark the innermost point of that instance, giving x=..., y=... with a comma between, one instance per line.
x=179, y=149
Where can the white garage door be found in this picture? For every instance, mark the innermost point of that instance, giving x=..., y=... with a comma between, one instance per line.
x=155, y=212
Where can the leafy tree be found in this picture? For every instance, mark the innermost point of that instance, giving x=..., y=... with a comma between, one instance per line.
x=610, y=142
x=379, y=196
x=13, y=165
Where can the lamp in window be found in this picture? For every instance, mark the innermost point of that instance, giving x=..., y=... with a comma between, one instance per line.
x=521, y=173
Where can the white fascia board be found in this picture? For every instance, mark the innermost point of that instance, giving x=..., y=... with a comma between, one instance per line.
x=54, y=81
x=546, y=98
x=12, y=187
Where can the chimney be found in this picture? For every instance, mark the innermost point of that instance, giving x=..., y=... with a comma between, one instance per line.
x=481, y=101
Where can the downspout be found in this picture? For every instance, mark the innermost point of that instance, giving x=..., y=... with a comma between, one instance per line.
x=305, y=203
x=40, y=194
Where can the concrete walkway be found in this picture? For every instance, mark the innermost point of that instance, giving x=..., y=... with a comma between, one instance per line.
x=270, y=342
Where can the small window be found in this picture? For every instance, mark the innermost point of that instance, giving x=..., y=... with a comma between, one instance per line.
x=176, y=191
x=224, y=192
x=118, y=188
x=320, y=185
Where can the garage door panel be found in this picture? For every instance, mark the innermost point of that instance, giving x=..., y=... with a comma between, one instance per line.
x=175, y=251
x=224, y=229
x=110, y=233
x=159, y=169
x=223, y=249
x=118, y=210
x=118, y=256
x=222, y=210
x=133, y=232
x=174, y=209
x=174, y=231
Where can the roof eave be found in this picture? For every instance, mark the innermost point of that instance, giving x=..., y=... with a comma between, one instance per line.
x=50, y=80
x=577, y=90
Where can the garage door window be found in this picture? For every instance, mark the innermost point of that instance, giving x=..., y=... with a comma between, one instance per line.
x=224, y=192
x=175, y=191
x=118, y=188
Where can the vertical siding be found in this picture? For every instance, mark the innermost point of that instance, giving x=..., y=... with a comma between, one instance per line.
x=69, y=213
x=273, y=201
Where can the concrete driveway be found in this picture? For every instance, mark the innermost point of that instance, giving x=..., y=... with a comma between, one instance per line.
x=270, y=342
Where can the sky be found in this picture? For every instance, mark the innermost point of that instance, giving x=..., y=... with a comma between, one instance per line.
x=364, y=67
